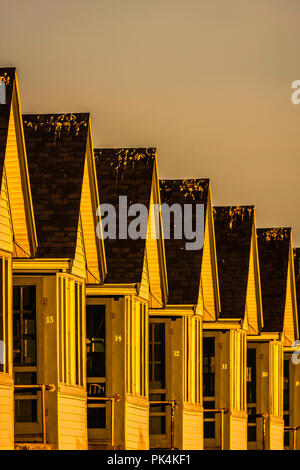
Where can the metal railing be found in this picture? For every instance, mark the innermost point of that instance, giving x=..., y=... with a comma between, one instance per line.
x=222, y=411
x=294, y=429
x=172, y=404
x=113, y=399
x=43, y=388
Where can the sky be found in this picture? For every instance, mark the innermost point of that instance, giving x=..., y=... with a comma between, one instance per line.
x=208, y=83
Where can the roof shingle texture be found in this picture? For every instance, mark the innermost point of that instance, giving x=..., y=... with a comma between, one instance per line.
x=125, y=172
x=56, y=148
x=273, y=250
x=183, y=266
x=7, y=75
x=233, y=230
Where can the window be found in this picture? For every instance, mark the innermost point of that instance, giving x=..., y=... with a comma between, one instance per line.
x=157, y=377
x=137, y=338
x=5, y=273
x=70, y=316
x=25, y=352
x=209, y=386
x=251, y=393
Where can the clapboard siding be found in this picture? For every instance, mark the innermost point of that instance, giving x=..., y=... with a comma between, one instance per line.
x=144, y=288
x=72, y=422
x=6, y=417
x=153, y=258
x=289, y=330
x=238, y=433
x=207, y=274
x=79, y=264
x=136, y=427
x=88, y=217
x=192, y=430
x=14, y=182
x=251, y=298
x=6, y=231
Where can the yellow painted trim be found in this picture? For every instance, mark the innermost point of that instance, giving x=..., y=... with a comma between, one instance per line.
x=257, y=275
x=41, y=264
x=24, y=168
x=96, y=203
x=293, y=293
x=214, y=254
x=111, y=289
x=161, y=245
x=224, y=324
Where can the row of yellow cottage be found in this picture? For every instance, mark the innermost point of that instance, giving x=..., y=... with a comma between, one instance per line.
x=135, y=344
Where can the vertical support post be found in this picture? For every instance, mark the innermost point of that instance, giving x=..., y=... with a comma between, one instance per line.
x=43, y=414
x=172, y=424
x=112, y=422
x=222, y=429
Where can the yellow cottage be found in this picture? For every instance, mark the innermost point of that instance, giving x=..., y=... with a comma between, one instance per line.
x=17, y=234
x=175, y=347
x=280, y=328
x=49, y=288
x=117, y=312
x=291, y=367
x=225, y=340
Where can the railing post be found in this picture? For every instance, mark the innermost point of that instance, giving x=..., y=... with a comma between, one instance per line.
x=113, y=422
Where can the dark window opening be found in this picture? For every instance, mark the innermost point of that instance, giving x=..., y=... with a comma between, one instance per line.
x=251, y=394
x=95, y=331
x=157, y=377
x=24, y=325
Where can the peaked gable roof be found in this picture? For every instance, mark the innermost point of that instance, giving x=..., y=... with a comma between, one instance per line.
x=297, y=278
x=56, y=149
x=125, y=172
x=233, y=232
x=273, y=250
x=184, y=266
x=7, y=76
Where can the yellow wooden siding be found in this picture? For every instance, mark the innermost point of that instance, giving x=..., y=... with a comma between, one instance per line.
x=6, y=230
x=88, y=218
x=289, y=331
x=144, y=287
x=15, y=190
x=238, y=433
x=153, y=258
x=6, y=417
x=79, y=264
x=192, y=430
x=136, y=427
x=207, y=282
x=72, y=423
x=251, y=296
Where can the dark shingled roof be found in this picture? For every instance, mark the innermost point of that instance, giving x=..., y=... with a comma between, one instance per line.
x=183, y=266
x=233, y=231
x=273, y=250
x=297, y=277
x=125, y=172
x=56, y=148
x=7, y=75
